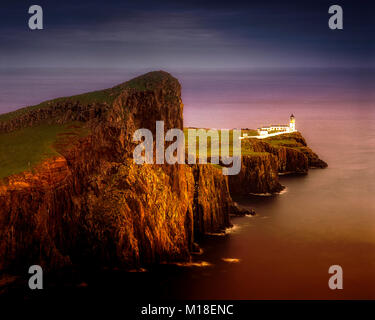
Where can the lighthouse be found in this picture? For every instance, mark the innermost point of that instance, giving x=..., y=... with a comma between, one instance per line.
x=292, y=123
x=275, y=129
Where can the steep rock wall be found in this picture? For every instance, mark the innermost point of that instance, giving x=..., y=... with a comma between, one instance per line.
x=283, y=154
x=259, y=174
x=93, y=205
x=289, y=160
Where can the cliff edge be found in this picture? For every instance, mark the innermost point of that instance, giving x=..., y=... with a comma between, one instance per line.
x=71, y=194
x=83, y=201
x=264, y=160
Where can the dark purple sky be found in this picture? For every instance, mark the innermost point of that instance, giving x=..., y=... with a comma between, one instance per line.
x=187, y=34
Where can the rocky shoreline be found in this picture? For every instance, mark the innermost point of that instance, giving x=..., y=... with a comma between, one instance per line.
x=91, y=205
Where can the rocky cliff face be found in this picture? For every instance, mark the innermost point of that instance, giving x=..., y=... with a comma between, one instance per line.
x=92, y=205
x=294, y=144
x=265, y=159
x=259, y=174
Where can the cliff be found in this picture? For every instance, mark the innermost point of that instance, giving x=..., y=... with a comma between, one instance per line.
x=259, y=174
x=264, y=160
x=71, y=194
x=89, y=203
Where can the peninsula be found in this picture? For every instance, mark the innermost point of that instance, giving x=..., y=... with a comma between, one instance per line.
x=71, y=193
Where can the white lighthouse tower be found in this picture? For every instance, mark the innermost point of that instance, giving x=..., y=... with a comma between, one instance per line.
x=292, y=123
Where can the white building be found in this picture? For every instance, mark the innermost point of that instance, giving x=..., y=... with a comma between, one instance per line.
x=277, y=129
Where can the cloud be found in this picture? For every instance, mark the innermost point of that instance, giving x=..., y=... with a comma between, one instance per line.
x=171, y=34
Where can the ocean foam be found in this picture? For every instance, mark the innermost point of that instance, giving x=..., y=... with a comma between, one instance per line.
x=199, y=264
x=231, y=260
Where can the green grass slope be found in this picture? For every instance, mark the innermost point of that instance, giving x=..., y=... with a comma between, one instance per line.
x=21, y=150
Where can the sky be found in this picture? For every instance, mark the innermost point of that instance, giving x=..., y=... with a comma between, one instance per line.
x=181, y=34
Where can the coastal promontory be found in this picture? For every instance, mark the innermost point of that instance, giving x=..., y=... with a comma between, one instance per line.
x=71, y=193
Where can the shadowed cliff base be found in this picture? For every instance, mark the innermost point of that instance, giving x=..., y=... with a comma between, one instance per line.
x=81, y=200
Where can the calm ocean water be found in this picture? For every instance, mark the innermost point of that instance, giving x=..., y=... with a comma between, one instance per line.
x=325, y=218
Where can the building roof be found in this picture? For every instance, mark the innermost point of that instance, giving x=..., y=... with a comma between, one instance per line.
x=279, y=125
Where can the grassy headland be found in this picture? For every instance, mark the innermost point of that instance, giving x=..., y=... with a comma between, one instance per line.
x=25, y=146
x=22, y=149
